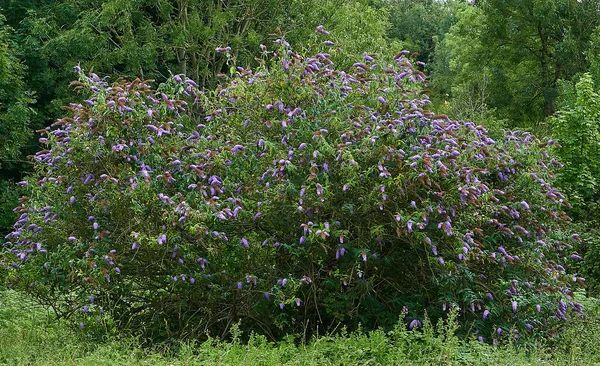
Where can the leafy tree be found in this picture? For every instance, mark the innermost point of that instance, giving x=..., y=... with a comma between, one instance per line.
x=419, y=24
x=576, y=126
x=355, y=26
x=15, y=100
x=149, y=39
x=524, y=47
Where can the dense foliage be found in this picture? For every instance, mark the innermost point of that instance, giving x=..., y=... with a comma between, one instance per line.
x=291, y=206
x=522, y=49
x=576, y=128
x=15, y=111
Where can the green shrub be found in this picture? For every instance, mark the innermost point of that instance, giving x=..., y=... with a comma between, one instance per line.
x=309, y=197
x=576, y=127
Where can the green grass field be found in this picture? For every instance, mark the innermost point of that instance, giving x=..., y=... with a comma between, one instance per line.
x=30, y=336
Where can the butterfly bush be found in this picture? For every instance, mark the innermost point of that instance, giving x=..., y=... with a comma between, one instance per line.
x=303, y=197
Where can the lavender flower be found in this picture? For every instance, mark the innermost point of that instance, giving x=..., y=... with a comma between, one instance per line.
x=222, y=49
x=414, y=323
x=321, y=30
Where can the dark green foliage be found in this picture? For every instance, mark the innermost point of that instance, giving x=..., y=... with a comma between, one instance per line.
x=419, y=24
x=15, y=100
x=523, y=48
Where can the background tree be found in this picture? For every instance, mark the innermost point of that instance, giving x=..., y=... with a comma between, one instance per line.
x=15, y=99
x=16, y=116
x=525, y=47
x=419, y=24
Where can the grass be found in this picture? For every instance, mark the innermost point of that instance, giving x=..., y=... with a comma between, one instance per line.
x=30, y=336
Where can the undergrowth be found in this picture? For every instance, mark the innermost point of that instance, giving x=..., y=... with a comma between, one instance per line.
x=31, y=336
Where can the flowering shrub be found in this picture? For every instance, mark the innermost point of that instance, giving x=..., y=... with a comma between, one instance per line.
x=306, y=197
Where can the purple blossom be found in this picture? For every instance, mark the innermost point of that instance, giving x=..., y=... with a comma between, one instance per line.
x=321, y=30
x=244, y=242
x=414, y=323
x=222, y=49
x=486, y=313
